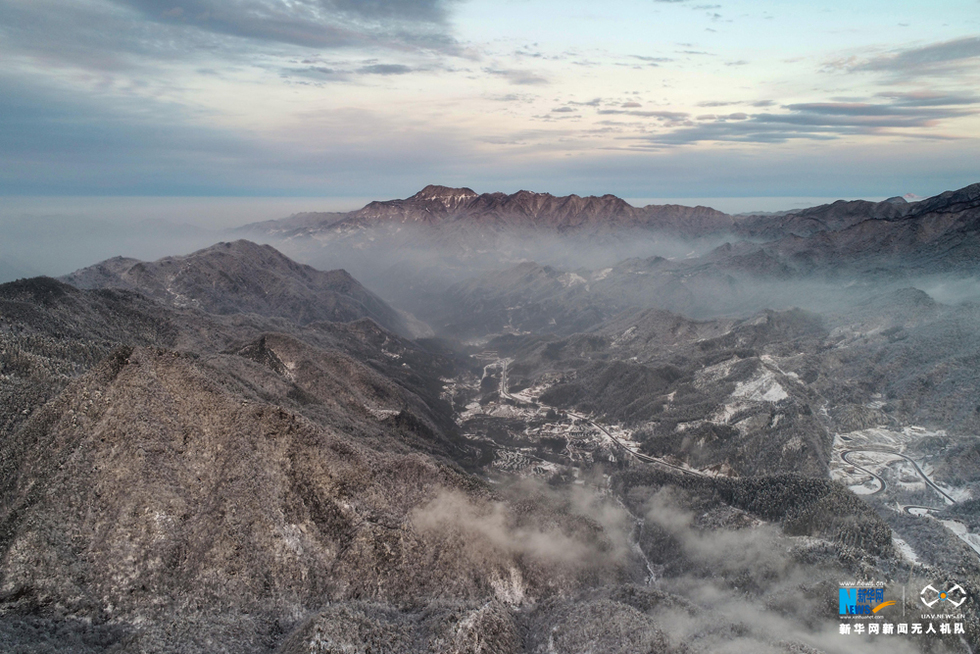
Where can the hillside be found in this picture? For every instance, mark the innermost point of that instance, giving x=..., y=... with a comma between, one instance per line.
x=175, y=480
x=242, y=277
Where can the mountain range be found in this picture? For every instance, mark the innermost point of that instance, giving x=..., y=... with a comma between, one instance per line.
x=443, y=253
x=943, y=227
x=442, y=207
x=233, y=451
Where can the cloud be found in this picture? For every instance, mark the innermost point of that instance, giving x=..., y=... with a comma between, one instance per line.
x=651, y=61
x=938, y=58
x=490, y=531
x=594, y=102
x=522, y=98
x=733, y=575
x=334, y=71
x=819, y=121
x=385, y=69
x=662, y=115
x=54, y=143
x=315, y=74
x=421, y=10
x=928, y=99
x=115, y=35
x=716, y=103
x=78, y=145
x=150, y=91
x=919, y=114
x=517, y=76
x=317, y=23
x=96, y=36
x=831, y=167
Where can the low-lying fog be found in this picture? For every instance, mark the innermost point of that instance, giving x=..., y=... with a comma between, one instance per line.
x=409, y=268
x=57, y=235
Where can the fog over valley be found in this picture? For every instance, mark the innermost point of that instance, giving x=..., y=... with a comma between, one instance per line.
x=481, y=327
x=463, y=422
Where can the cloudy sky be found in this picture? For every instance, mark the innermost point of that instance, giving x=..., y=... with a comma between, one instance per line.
x=376, y=98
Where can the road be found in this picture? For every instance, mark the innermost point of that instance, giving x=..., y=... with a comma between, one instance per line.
x=578, y=416
x=915, y=465
x=881, y=482
x=649, y=459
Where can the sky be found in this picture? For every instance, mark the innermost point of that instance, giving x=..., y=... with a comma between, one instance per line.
x=376, y=98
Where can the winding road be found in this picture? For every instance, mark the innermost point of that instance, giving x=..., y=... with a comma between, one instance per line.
x=881, y=482
x=503, y=363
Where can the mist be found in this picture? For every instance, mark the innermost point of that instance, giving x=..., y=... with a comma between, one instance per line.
x=54, y=236
x=534, y=282
x=638, y=440
x=753, y=590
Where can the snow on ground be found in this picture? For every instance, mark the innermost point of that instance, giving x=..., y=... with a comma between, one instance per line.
x=963, y=533
x=889, y=438
x=764, y=388
x=572, y=279
x=505, y=411
x=532, y=393
x=727, y=411
x=625, y=336
x=901, y=477
x=773, y=364
x=472, y=409
x=900, y=474
x=869, y=487
x=957, y=493
x=905, y=549
x=711, y=374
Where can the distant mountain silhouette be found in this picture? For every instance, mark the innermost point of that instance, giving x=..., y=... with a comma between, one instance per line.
x=447, y=207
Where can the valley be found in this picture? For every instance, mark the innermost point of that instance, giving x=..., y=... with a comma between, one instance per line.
x=469, y=445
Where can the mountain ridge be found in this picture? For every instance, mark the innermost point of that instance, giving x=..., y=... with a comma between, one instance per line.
x=437, y=205
x=177, y=475
x=241, y=277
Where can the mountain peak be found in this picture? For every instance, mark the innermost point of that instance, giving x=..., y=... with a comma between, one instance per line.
x=241, y=245
x=524, y=193
x=444, y=193
x=244, y=277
